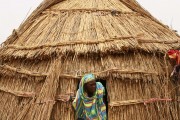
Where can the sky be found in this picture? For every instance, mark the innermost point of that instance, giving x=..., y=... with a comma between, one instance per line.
x=14, y=12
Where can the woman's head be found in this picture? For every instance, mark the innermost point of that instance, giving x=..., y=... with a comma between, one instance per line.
x=90, y=87
x=88, y=82
x=173, y=54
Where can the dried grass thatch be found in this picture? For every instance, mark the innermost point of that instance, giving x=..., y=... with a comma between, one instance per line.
x=117, y=40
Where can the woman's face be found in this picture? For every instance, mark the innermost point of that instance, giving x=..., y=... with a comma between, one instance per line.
x=90, y=87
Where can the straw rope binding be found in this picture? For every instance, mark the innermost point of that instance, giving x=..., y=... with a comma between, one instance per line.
x=88, y=42
x=5, y=68
x=18, y=93
x=139, y=101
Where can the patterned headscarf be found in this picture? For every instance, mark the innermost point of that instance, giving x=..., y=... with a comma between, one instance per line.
x=174, y=54
x=90, y=108
x=87, y=78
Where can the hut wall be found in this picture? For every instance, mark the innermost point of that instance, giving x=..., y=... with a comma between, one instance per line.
x=11, y=105
x=131, y=78
x=64, y=110
x=20, y=83
x=127, y=101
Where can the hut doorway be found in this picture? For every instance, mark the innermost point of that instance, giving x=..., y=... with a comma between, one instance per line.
x=103, y=81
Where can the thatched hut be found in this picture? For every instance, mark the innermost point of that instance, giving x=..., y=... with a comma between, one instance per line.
x=62, y=40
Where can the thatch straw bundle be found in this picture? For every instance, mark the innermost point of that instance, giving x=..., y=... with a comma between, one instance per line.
x=62, y=40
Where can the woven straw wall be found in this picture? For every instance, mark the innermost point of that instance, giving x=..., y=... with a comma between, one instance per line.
x=132, y=81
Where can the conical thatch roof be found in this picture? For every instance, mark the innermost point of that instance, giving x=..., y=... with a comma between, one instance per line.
x=97, y=26
x=117, y=40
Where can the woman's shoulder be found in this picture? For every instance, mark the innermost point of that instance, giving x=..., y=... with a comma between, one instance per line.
x=100, y=89
x=99, y=85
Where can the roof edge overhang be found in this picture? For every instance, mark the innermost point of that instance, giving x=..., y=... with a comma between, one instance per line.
x=44, y=55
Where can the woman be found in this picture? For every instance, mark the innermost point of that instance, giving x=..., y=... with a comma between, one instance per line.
x=89, y=104
x=175, y=55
